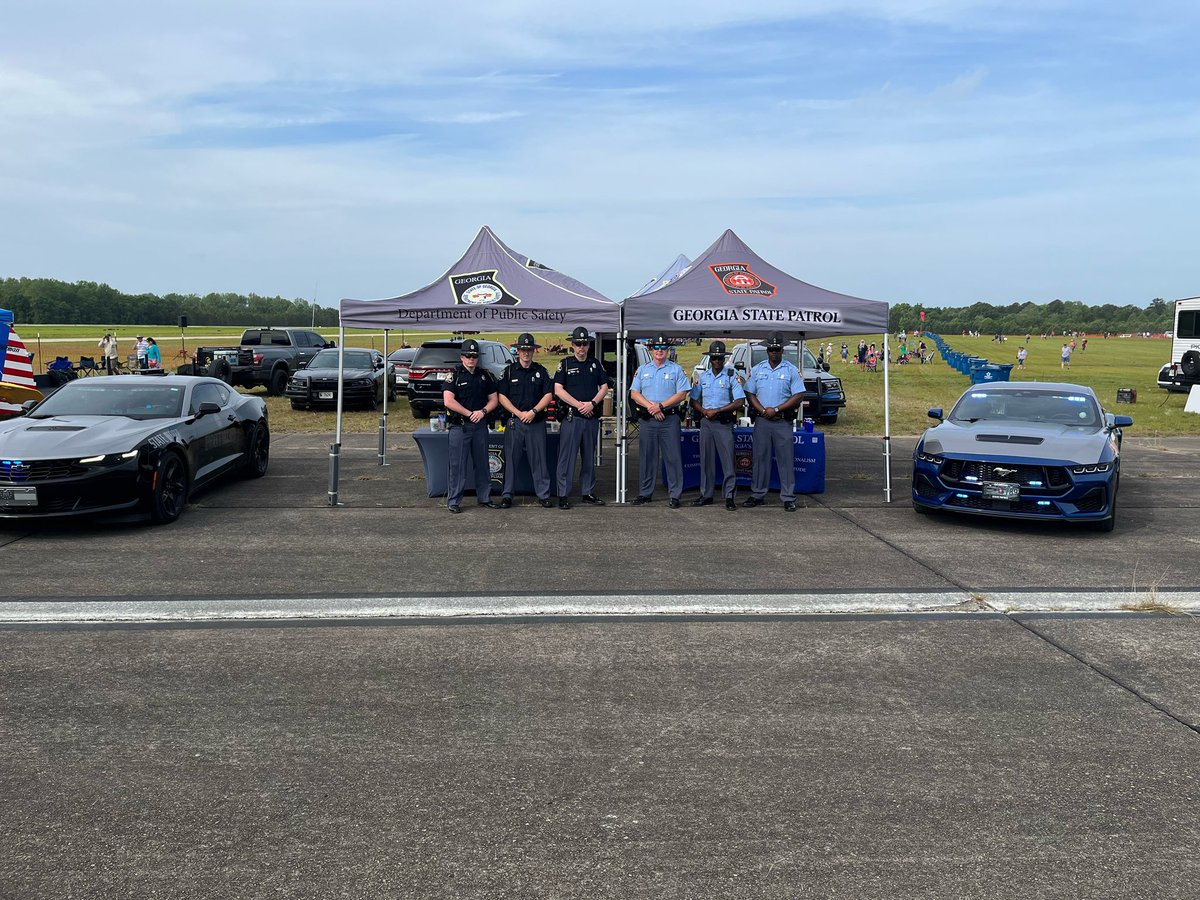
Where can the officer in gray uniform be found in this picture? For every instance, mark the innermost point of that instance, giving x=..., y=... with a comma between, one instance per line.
x=716, y=398
x=580, y=386
x=775, y=390
x=525, y=391
x=657, y=389
x=469, y=396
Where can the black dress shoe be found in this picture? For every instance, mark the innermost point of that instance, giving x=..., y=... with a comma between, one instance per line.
x=730, y=504
x=673, y=503
x=491, y=504
x=702, y=501
x=506, y=503
x=640, y=499
x=564, y=503
x=753, y=501
x=547, y=503
x=455, y=509
x=790, y=505
x=592, y=499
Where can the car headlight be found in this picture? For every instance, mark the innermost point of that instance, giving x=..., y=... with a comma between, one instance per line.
x=109, y=458
x=362, y=382
x=833, y=385
x=1091, y=470
x=930, y=458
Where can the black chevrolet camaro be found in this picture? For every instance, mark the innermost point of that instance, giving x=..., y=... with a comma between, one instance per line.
x=128, y=444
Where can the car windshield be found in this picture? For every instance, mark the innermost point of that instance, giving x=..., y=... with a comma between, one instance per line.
x=135, y=398
x=1060, y=407
x=404, y=354
x=789, y=353
x=328, y=359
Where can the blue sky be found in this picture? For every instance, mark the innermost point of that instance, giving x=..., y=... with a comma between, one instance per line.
x=944, y=152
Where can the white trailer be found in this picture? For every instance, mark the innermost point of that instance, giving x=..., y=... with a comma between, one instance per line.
x=1184, y=368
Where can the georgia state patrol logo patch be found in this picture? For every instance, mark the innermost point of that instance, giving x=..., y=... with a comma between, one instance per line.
x=481, y=289
x=737, y=279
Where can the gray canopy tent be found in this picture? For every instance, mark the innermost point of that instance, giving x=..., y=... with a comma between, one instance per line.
x=490, y=288
x=731, y=291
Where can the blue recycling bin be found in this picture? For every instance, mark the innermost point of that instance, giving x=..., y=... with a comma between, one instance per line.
x=971, y=363
x=990, y=373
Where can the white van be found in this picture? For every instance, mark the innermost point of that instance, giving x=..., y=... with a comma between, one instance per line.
x=1184, y=368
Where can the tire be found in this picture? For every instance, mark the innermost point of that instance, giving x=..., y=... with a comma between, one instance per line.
x=258, y=455
x=921, y=508
x=392, y=394
x=277, y=383
x=296, y=404
x=829, y=420
x=169, y=495
x=1189, y=364
x=419, y=413
x=220, y=369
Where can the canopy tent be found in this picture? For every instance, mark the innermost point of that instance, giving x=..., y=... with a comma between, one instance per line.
x=671, y=273
x=490, y=288
x=731, y=291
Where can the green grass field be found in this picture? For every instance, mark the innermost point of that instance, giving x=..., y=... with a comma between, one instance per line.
x=1105, y=366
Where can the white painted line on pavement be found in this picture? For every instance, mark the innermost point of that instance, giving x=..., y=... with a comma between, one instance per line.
x=630, y=605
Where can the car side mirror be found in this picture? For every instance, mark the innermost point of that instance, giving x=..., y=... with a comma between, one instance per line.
x=302, y=364
x=29, y=404
x=936, y=413
x=379, y=364
x=1122, y=421
x=329, y=344
x=741, y=366
x=207, y=408
x=825, y=366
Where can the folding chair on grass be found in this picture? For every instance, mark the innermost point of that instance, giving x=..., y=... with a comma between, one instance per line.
x=87, y=367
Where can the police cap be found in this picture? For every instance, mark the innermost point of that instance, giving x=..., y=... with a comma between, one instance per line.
x=775, y=341
x=716, y=348
x=470, y=345
x=526, y=342
x=660, y=340
x=579, y=335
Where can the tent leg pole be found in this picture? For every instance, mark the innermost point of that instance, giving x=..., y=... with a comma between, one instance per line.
x=387, y=387
x=335, y=449
x=887, y=427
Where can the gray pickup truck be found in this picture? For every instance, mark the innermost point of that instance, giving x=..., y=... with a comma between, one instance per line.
x=266, y=356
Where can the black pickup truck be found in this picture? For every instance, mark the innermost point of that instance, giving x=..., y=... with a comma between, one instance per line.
x=266, y=356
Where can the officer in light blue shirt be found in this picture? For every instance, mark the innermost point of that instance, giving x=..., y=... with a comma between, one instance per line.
x=775, y=390
x=657, y=389
x=716, y=398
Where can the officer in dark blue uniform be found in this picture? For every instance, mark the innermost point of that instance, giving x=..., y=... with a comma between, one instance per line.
x=580, y=385
x=470, y=396
x=525, y=391
x=717, y=397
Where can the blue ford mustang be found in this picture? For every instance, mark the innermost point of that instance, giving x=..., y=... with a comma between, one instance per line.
x=1023, y=450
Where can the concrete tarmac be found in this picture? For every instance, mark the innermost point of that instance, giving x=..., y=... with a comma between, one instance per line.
x=460, y=744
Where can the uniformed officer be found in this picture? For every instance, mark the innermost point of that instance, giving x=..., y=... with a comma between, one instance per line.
x=716, y=398
x=525, y=391
x=470, y=396
x=658, y=388
x=775, y=390
x=580, y=385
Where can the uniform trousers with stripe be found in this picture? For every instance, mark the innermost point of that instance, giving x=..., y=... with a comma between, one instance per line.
x=774, y=438
x=526, y=442
x=716, y=442
x=469, y=441
x=577, y=436
x=657, y=439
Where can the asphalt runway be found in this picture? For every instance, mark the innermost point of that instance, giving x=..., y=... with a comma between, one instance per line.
x=619, y=702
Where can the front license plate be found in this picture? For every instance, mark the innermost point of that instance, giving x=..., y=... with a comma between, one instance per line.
x=324, y=395
x=1001, y=490
x=18, y=496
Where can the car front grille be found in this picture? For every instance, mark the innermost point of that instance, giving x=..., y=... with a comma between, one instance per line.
x=1026, y=505
x=15, y=472
x=1053, y=479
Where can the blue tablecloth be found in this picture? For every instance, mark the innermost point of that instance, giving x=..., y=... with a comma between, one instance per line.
x=809, y=460
x=435, y=454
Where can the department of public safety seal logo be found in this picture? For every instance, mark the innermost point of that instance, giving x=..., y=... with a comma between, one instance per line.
x=481, y=289
x=737, y=279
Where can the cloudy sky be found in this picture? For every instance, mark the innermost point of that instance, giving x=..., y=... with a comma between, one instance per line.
x=902, y=150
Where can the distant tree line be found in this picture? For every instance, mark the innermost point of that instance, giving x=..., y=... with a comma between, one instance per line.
x=1035, y=318
x=45, y=300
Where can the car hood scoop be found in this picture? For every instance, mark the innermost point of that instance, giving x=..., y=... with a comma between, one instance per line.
x=1008, y=439
x=56, y=428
